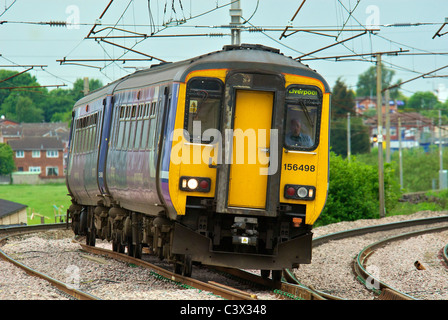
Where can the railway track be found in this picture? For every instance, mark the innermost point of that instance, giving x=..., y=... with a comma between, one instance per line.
x=224, y=291
x=217, y=289
x=384, y=291
x=66, y=289
x=445, y=254
x=290, y=287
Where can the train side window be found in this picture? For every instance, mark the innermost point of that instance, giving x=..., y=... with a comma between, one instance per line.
x=302, y=121
x=96, y=131
x=145, y=129
x=121, y=127
x=152, y=124
x=139, y=124
x=132, y=124
x=75, y=141
x=153, y=109
x=202, y=109
x=127, y=128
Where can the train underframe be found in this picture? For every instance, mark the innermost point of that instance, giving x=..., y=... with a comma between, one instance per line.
x=202, y=235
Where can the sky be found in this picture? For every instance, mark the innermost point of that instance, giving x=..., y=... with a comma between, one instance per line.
x=27, y=38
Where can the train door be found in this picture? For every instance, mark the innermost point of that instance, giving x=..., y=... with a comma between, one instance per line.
x=252, y=116
x=250, y=149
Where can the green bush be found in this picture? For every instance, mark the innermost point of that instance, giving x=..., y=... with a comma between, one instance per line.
x=353, y=192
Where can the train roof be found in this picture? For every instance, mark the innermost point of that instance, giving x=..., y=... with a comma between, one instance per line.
x=236, y=57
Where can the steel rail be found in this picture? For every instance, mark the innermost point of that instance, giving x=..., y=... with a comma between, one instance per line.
x=360, y=263
x=290, y=277
x=445, y=254
x=14, y=231
x=292, y=288
x=219, y=290
x=377, y=228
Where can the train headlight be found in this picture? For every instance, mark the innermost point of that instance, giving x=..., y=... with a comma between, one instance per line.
x=302, y=192
x=198, y=184
x=192, y=183
x=299, y=192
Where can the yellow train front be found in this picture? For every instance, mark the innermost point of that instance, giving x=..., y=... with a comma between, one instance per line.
x=249, y=163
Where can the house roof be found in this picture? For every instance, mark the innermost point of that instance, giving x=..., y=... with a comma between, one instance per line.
x=8, y=207
x=36, y=143
x=407, y=118
x=4, y=121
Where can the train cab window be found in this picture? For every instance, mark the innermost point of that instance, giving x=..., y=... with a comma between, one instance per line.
x=202, y=109
x=302, y=121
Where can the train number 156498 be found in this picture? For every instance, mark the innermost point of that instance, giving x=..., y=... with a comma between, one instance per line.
x=299, y=167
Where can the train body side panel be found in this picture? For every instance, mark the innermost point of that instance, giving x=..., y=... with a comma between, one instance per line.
x=131, y=169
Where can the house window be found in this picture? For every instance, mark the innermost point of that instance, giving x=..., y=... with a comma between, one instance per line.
x=20, y=154
x=34, y=169
x=35, y=154
x=52, y=154
x=52, y=171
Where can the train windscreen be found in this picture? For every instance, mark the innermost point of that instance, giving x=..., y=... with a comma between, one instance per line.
x=202, y=110
x=302, y=121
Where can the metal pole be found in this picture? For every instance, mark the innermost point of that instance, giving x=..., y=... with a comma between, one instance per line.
x=400, y=156
x=441, y=184
x=386, y=97
x=235, y=22
x=349, y=146
x=86, y=86
x=379, y=107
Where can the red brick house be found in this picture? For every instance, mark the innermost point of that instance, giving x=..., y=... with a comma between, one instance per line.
x=44, y=155
x=364, y=104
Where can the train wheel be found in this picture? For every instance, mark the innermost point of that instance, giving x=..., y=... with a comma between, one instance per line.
x=265, y=273
x=130, y=246
x=117, y=246
x=277, y=275
x=91, y=238
x=137, y=251
x=183, y=265
x=90, y=230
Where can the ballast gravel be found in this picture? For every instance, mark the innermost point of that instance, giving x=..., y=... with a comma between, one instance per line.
x=331, y=269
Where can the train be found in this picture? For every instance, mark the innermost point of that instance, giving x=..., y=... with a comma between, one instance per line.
x=220, y=160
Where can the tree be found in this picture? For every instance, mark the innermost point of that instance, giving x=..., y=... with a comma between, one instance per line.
x=21, y=109
x=38, y=104
x=78, y=87
x=366, y=85
x=353, y=192
x=59, y=101
x=359, y=136
x=6, y=159
x=342, y=100
x=423, y=101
